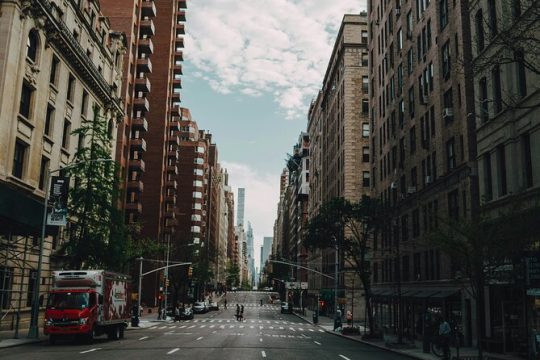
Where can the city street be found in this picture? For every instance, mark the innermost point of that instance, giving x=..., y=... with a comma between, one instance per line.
x=264, y=334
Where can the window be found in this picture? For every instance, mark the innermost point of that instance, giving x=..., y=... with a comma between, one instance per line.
x=443, y=15
x=53, y=78
x=412, y=139
x=365, y=84
x=410, y=61
x=519, y=57
x=404, y=228
x=501, y=170
x=365, y=106
x=516, y=9
x=479, y=25
x=365, y=154
x=70, y=88
x=365, y=130
x=488, y=183
x=416, y=223
x=492, y=10
x=364, y=37
x=66, y=134
x=527, y=160
x=84, y=103
x=400, y=39
x=450, y=154
x=446, y=66
x=49, y=120
x=6, y=281
x=26, y=100
x=484, y=102
x=411, y=101
x=405, y=268
x=18, y=159
x=31, y=286
x=497, y=91
x=365, y=179
x=453, y=204
x=32, y=44
x=43, y=172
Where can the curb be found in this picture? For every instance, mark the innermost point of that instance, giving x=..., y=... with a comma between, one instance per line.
x=21, y=344
x=411, y=356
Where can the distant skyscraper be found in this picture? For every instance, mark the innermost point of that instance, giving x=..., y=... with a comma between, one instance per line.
x=266, y=249
x=240, y=208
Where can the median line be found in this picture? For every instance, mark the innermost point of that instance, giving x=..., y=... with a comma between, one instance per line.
x=316, y=342
x=199, y=338
x=144, y=337
x=173, y=351
x=87, y=351
x=344, y=357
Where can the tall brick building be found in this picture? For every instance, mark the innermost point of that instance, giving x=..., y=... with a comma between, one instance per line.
x=147, y=144
x=423, y=155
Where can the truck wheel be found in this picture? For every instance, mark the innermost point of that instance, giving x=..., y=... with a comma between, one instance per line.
x=114, y=333
x=122, y=328
x=52, y=339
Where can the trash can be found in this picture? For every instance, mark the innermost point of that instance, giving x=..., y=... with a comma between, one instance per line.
x=315, y=318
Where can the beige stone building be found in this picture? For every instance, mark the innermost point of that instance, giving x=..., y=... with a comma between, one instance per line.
x=338, y=128
x=57, y=60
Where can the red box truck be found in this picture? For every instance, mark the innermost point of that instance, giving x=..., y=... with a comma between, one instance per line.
x=88, y=303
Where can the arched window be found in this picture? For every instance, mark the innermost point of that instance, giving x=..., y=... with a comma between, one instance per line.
x=32, y=44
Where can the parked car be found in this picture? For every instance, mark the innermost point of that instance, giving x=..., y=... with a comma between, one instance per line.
x=200, y=307
x=213, y=306
x=286, y=308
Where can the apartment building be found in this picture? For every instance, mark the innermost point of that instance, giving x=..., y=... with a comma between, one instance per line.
x=423, y=156
x=507, y=98
x=338, y=128
x=58, y=60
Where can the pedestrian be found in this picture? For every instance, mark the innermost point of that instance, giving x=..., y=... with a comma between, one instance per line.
x=261, y=302
x=349, y=318
x=444, y=336
x=237, y=312
x=337, y=320
x=242, y=313
x=225, y=303
x=159, y=313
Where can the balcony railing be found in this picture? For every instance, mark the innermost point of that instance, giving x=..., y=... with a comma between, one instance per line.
x=174, y=125
x=135, y=185
x=137, y=165
x=144, y=65
x=177, y=84
x=134, y=207
x=139, y=124
x=142, y=104
x=147, y=27
x=142, y=84
x=172, y=169
x=173, y=154
x=148, y=8
x=180, y=15
x=138, y=144
x=171, y=184
x=146, y=45
x=180, y=28
x=182, y=4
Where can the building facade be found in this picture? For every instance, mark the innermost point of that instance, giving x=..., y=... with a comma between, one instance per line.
x=58, y=61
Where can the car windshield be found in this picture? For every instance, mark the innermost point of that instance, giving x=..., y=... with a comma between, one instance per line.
x=69, y=300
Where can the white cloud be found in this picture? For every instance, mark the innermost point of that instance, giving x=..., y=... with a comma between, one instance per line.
x=256, y=47
x=262, y=194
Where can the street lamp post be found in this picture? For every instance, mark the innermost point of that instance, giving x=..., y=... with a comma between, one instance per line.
x=336, y=283
x=33, y=332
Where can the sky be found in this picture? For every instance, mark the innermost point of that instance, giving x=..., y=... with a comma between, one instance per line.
x=251, y=69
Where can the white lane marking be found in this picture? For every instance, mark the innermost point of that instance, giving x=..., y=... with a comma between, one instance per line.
x=344, y=357
x=173, y=351
x=199, y=338
x=188, y=321
x=172, y=327
x=191, y=327
x=292, y=329
x=281, y=328
x=301, y=329
x=271, y=328
x=261, y=327
x=311, y=330
x=183, y=326
x=231, y=326
x=163, y=327
x=144, y=337
x=251, y=327
x=260, y=339
x=321, y=330
x=153, y=327
x=241, y=326
x=263, y=354
x=87, y=351
x=316, y=342
x=211, y=326
x=202, y=326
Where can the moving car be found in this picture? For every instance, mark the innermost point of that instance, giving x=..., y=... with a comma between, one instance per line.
x=213, y=306
x=200, y=307
x=187, y=314
x=286, y=308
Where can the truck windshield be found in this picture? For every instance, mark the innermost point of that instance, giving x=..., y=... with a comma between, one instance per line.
x=68, y=300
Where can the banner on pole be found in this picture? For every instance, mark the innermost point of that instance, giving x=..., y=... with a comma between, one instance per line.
x=58, y=200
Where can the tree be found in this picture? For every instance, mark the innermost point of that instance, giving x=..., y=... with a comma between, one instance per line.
x=483, y=247
x=233, y=274
x=98, y=236
x=351, y=227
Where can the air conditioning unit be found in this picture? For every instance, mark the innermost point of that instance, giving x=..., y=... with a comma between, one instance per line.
x=447, y=112
x=393, y=185
x=411, y=189
x=398, y=11
x=429, y=179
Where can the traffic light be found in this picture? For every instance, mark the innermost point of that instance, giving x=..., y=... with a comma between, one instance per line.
x=190, y=272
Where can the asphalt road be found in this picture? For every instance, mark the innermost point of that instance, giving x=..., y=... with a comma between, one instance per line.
x=264, y=334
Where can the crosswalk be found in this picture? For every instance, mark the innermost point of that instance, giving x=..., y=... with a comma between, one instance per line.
x=227, y=324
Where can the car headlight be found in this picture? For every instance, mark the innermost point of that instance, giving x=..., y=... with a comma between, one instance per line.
x=48, y=322
x=83, y=321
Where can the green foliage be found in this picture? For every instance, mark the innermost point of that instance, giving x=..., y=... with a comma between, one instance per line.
x=233, y=274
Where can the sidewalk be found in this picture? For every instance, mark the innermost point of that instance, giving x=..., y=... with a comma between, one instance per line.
x=415, y=352
x=7, y=340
